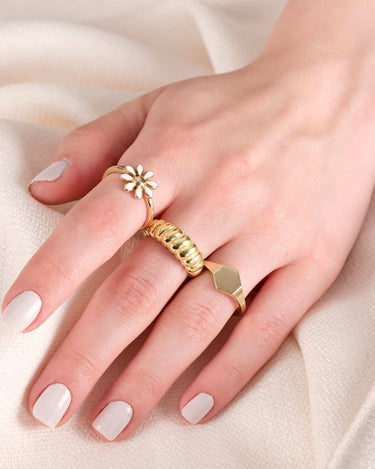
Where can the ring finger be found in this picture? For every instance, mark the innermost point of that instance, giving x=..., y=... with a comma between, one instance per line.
x=185, y=328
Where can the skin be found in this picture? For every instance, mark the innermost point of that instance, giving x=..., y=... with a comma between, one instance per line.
x=269, y=169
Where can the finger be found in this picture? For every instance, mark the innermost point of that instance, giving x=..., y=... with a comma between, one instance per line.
x=91, y=232
x=284, y=298
x=184, y=329
x=85, y=153
x=121, y=308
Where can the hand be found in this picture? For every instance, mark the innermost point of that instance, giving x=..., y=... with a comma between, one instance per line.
x=269, y=169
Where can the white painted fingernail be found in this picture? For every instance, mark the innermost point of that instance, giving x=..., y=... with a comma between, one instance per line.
x=113, y=419
x=52, y=404
x=22, y=310
x=198, y=407
x=52, y=172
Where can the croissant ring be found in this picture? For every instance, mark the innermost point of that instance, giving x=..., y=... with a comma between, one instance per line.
x=226, y=279
x=178, y=243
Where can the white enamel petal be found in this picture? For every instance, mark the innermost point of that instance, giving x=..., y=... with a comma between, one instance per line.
x=148, y=175
x=152, y=184
x=139, y=169
x=138, y=192
x=129, y=186
x=127, y=177
x=130, y=170
x=148, y=191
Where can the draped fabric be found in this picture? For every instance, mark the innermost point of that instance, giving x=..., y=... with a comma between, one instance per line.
x=63, y=64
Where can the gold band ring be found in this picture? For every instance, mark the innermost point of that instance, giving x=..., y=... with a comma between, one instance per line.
x=178, y=243
x=138, y=182
x=228, y=280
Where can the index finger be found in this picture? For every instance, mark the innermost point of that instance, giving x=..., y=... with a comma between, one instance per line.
x=88, y=235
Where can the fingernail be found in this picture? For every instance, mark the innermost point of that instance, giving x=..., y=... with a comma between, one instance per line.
x=113, y=419
x=22, y=310
x=52, y=404
x=52, y=172
x=198, y=407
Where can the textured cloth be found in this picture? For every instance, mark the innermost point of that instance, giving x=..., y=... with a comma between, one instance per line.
x=63, y=64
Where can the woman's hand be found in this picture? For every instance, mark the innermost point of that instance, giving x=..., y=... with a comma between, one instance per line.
x=269, y=169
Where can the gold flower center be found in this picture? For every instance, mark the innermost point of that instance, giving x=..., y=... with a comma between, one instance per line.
x=139, y=180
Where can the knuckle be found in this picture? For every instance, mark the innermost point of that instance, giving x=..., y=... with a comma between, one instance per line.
x=325, y=269
x=181, y=136
x=101, y=216
x=270, y=331
x=323, y=259
x=53, y=266
x=255, y=188
x=233, y=373
x=148, y=383
x=240, y=170
x=81, y=363
x=133, y=293
x=244, y=165
x=91, y=131
x=198, y=321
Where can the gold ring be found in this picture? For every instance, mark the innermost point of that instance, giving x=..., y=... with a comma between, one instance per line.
x=178, y=243
x=227, y=279
x=138, y=182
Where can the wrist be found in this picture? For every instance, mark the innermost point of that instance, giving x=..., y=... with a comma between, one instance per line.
x=315, y=28
x=313, y=59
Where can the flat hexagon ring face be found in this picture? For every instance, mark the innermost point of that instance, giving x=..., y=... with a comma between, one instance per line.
x=228, y=281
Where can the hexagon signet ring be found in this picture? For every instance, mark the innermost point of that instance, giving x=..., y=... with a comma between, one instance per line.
x=228, y=281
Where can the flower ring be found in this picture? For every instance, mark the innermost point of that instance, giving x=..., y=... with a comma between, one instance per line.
x=138, y=182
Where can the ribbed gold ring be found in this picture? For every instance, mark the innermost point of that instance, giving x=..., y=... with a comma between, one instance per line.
x=178, y=243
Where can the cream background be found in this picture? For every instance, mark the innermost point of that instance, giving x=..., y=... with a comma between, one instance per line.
x=64, y=63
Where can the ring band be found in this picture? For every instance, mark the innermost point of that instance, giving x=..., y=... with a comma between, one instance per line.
x=138, y=182
x=178, y=243
x=227, y=279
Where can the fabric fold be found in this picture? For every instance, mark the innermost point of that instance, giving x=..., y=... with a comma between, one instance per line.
x=312, y=405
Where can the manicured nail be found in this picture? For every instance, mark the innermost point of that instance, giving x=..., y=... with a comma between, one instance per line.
x=52, y=404
x=113, y=419
x=52, y=172
x=198, y=407
x=22, y=310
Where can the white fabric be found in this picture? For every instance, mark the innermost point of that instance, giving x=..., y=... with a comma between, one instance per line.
x=64, y=63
